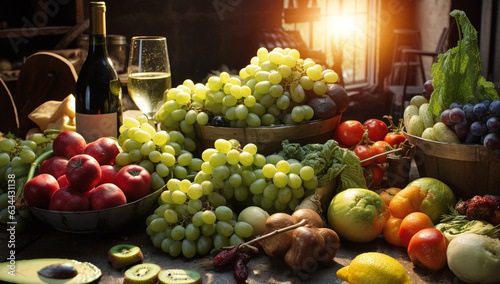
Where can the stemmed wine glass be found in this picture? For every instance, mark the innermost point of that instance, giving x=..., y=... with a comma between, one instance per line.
x=149, y=75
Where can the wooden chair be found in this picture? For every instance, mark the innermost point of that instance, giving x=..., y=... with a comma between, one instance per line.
x=10, y=119
x=44, y=76
x=403, y=92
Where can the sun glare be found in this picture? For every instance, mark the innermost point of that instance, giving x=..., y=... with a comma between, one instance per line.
x=342, y=25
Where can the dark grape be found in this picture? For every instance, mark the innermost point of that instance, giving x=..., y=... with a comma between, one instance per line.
x=486, y=103
x=472, y=139
x=218, y=121
x=428, y=87
x=492, y=141
x=478, y=128
x=426, y=94
x=462, y=128
x=468, y=110
x=480, y=110
x=484, y=118
x=495, y=108
x=456, y=105
x=456, y=114
x=445, y=117
x=493, y=124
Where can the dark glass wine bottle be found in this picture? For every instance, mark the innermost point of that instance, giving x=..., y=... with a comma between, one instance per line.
x=98, y=90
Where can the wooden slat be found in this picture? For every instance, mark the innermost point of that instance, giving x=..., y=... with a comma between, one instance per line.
x=21, y=32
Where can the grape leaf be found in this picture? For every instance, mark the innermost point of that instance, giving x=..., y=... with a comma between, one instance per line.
x=456, y=76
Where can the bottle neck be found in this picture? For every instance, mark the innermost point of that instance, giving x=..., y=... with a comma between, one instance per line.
x=97, y=36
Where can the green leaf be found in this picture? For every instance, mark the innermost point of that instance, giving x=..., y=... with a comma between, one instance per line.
x=456, y=76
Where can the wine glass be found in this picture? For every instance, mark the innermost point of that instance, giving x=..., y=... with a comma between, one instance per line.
x=149, y=75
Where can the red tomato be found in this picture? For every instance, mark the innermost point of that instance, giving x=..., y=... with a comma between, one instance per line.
x=412, y=224
x=349, y=132
x=379, y=148
x=427, y=248
x=377, y=129
x=83, y=172
x=377, y=173
x=363, y=153
x=135, y=181
x=394, y=139
x=108, y=174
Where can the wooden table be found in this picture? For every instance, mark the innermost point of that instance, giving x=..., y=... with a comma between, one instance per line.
x=43, y=242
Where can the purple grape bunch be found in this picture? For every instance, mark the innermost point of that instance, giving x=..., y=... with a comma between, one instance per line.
x=475, y=123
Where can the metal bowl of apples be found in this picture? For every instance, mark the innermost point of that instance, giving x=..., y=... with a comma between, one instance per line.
x=89, y=199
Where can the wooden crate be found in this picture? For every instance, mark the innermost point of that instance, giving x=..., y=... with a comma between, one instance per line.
x=268, y=139
x=467, y=169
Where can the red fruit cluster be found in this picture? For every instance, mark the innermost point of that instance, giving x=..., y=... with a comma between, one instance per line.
x=485, y=208
x=83, y=177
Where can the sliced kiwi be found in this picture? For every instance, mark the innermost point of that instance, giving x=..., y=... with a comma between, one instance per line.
x=143, y=273
x=58, y=271
x=124, y=255
x=179, y=276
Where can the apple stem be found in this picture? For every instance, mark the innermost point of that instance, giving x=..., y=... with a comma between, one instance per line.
x=303, y=222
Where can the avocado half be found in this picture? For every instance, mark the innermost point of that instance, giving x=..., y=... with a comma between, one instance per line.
x=26, y=271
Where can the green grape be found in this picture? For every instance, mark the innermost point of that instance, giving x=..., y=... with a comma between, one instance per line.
x=196, y=219
x=246, y=158
x=208, y=217
x=269, y=170
x=294, y=180
x=308, y=112
x=251, y=69
x=131, y=144
x=185, y=159
x=262, y=76
x=160, y=210
x=283, y=166
x=308, y=63
x=241, y=193
x=178, y=233
x=178, y=114
x=233, y=157
x=39, y=138
x=227, y=191
x=122, y=159
x=207, y=153
x=223, y=213
x=259, y=160
x=206, y=167
x=29, y=143
x=159, y=224
x=257, y=199
x=271, y=192
x=298, y=192
x=192, y=232
x=275, y=57
x=235, y=91
x=195, y=191
x=267, y=119
x=314, y=73
x=250, y=101
x=283, y=102
x=235, y=180
x=130, y=122
x=195, y=164
x=179, y=197
x=268, y=66
x=186, y=127
x=219, y=159
x=243, y=230
x=135, y=155
x=284, y=195
x=229, y=101
x=288, y=61
x=250, y=148
x=298, y=94
x=297, y=114
x=253, y=120
x=319, y=88
x=224, y=228
x=224, y=77
x=311, y=183
x=280, y=179
x=165, y=244
x=171, y=216
x=142, y=136
x=275, y=77
x=175, y=249
x=174, y=184
x=188, y=248
x=263, y=87
x=258, y=109
x=166, y=197
x=331, y=76
x=306, y=83
x=235, y=81
x=4, y=200
x=147, y=147
x=216, y=199
x=258, y=172
x=221, y=172
x=5, y=159
x=203, y=245
x=263, y=54
x=235, y=240
x=276, y=90
x=157, y=238
x=267, y=100
x=16, y=162
x=220, y=241
x=248, y=177
x=266, y=204
x=245, y=91
x=306, y=173
x=160, y=138
x=207, y=229
x=167, y=159
x=154, y=156
x=148, y=128
x=293, y=203
x=184, y=185
x=280, y=206
x=202, y=118
x=148, y=165
x=208, y=187
x=258, y=186
x=241, y=112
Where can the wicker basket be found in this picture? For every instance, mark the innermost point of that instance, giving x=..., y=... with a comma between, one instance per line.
x=467, y=169
x=268, y=139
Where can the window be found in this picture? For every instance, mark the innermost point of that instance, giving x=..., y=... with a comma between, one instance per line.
x=344, y=31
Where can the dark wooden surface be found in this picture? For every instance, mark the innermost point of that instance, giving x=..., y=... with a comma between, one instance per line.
x=43, y=242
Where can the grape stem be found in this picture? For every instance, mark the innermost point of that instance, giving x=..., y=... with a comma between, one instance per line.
x=381, y=154
x=31, y=173
x=303, y=222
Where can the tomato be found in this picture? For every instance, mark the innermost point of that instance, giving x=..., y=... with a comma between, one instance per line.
x=83, y=172
x=427, y=248
x=391, y=231
x=38, y=190
x=68, y=199
x=406, y=201
x=388, y=194
x=68, y=143
x=394, y=139
x=349, y=132
x=379, y=147
x=411, y=224
x=135, y=181
x=108, y=174
x=104, y=150
x=377, y=129
x=55, y=166
x=377, y=173
x=106, y=195
x=363, y=153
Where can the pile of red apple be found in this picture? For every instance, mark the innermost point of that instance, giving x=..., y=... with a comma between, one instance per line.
x=82, y=177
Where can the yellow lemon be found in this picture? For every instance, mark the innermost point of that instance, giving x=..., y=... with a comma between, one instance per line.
x=373, y=268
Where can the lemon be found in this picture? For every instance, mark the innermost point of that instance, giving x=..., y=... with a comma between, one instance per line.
x=374, y=267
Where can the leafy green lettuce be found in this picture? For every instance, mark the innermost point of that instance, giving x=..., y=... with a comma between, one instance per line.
x=328, y=161
x=456, y=76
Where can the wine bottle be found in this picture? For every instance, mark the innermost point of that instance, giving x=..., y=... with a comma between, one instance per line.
x=98, y=90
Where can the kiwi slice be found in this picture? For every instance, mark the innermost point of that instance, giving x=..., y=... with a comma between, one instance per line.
x=143, y=273
x=179, y=276
x=124, y=255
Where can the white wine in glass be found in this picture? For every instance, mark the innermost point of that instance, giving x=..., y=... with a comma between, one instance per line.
x=149, y=73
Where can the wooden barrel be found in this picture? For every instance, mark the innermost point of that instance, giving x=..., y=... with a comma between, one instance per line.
x=467, y=169
x=268, y=139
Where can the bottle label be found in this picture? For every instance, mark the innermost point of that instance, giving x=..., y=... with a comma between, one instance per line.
x=94, y=126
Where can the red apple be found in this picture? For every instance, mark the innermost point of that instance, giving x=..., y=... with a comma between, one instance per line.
x=56, y=166
x=108, y=174
x=38, y=190
x=68, y=143
x=68, y=199
x=83, y=172
x=104, y=150
x=106, y=195
x=63, y=181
